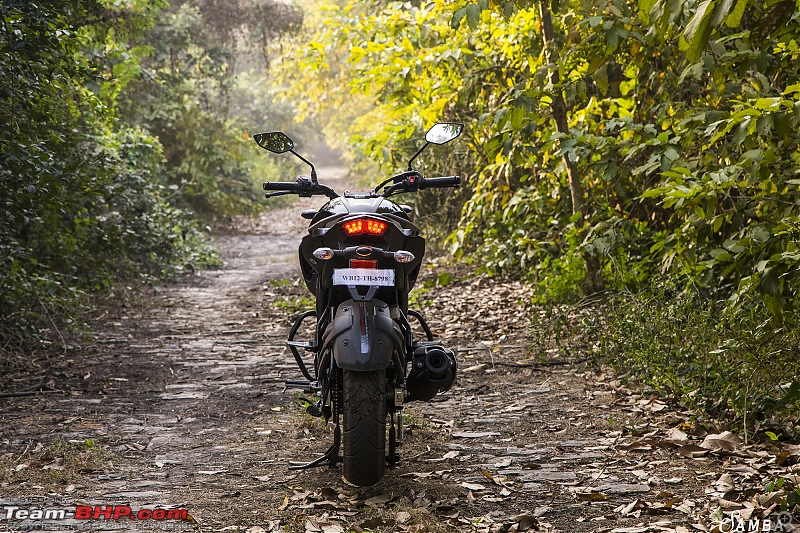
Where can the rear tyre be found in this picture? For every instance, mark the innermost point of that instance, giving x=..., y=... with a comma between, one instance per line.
x=364, y=436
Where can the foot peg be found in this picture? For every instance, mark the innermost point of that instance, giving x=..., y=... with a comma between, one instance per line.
x=305, y=386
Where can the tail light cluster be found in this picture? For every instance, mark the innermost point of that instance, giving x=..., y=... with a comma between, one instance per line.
x=369, y=226
x=365, y=226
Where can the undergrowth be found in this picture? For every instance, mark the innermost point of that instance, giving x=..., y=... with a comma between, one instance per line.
x=735, y=365
x=61, y=462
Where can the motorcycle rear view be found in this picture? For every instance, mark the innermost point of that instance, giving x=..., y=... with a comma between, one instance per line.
x=360, y=258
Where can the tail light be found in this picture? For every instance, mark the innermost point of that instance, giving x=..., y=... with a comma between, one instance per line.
x=367, y=226
x=363, y=263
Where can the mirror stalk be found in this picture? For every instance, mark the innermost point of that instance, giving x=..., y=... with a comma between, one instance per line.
x=307, y=162
x=415, y=155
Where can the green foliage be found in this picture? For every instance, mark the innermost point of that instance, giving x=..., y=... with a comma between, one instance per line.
x=736, y=366
x=644, y=123
x=118, y=135
x=295, y=305
x=791, y=486
x=683, y=124
x=180, y=102
x=85, y=201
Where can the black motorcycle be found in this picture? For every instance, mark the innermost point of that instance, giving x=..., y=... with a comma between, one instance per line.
x=360, y=259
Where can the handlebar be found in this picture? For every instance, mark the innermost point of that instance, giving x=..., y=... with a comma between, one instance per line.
x=288, y=186
x=302, y=187
x=414, y=181
x=411, y=181
x=443, y=182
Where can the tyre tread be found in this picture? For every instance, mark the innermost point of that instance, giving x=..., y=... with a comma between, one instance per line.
x=364, y=435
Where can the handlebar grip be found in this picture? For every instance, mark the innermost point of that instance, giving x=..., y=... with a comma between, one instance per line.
x=281, y=186
x=448, y=181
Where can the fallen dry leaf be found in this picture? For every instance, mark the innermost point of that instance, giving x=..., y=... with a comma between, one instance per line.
x=378, y=501
x=692, y=451
x=525, y=522
x=376, y=522
x=676, y=436
x=285, y=504
x=488, y=476
x=722, y=441
x=625, y=510
x=591, y=496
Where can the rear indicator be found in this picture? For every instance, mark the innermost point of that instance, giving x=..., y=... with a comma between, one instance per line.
x=365, y=225
x=401, y=256
x=363, y=263
x=323, y=253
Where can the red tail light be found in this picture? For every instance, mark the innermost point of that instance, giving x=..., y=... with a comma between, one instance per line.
x=363, y=263
x=365, y=225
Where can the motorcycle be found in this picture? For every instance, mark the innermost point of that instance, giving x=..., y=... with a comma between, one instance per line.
x=360, y=259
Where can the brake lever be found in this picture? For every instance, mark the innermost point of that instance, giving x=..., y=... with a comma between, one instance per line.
x=279, y=193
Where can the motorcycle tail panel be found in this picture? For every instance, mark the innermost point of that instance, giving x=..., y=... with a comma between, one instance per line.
x=364, y=336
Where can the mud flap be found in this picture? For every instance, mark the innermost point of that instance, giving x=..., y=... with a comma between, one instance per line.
x=363, y=335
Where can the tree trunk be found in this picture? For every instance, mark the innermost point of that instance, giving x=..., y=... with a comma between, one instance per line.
x=594, y=281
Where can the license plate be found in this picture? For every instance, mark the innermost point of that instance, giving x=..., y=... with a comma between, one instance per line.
x=375, y=277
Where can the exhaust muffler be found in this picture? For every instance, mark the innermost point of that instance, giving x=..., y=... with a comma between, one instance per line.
x=433, y=370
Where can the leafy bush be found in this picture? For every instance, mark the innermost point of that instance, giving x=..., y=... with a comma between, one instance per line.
x=735, y=365
x=83, y=203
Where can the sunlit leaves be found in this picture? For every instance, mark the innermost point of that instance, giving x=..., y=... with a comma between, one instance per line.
x=697, y=31
x=695, y=152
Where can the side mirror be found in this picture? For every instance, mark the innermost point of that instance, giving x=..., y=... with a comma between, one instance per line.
x=440, y=133
x=276, y=142
x=444, y=132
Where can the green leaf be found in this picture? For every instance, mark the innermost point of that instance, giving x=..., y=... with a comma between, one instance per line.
x=760, y=234
x=771, y=435
x=644, y=10
x=473, y=15
x=721, y=10
x=770, y=281
x=695, y=37
x=735, y=17
x=720, y=255
x=773, y=303
x=792, y=88
x=458, y=16
x=601, y=79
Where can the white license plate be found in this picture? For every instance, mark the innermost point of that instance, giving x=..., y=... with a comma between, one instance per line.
x=376, y=277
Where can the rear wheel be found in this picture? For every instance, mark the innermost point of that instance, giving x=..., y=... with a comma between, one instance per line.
x=364, y=436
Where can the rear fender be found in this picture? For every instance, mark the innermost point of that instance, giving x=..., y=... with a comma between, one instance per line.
x=363, y=336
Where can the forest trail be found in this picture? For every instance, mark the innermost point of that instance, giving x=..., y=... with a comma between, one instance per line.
x=185, y=389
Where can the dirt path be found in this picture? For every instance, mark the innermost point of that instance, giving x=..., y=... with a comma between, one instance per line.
x=178, y=403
